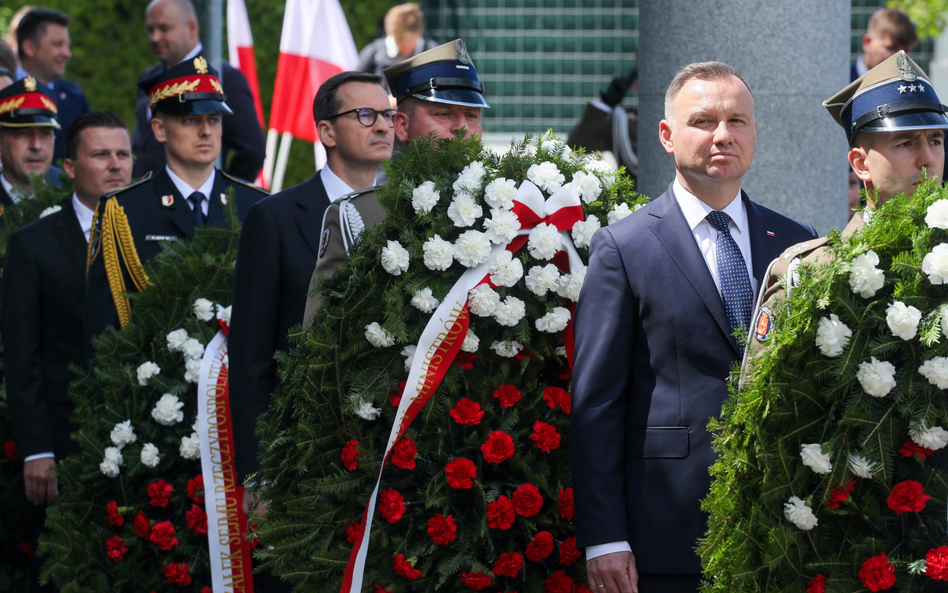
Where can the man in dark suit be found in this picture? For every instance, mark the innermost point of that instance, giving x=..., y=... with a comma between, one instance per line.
x=173, y=34
x=168, y=205
x=280, y=242
x=650, y=371
x=41, y=305
x=42, y=38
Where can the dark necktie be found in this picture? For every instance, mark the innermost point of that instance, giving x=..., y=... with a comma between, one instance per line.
x=732, y=270
x=196, y=199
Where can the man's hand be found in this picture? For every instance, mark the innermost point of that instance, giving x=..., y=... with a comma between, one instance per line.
x=41, y=483
x=253, y=507
x=613, y=573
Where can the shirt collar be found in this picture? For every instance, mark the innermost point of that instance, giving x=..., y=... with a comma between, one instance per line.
x=21, y=73
x=15, y=194
x=186, y=190
x=193, y=53
x=84, y=214
x=334, y=186
x=695, y=210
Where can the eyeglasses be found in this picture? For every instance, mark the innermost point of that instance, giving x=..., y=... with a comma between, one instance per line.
x=368, y=116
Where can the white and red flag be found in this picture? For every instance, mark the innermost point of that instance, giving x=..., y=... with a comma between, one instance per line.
x=240, y=50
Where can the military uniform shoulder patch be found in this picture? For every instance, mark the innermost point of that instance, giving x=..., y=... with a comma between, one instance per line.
x=763, y=324
x=244, y=183
x=324, y=242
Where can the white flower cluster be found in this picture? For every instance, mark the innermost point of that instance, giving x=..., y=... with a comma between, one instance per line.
x=935, y=264
x=502, y=226
x=510, y=311
x=877, y=377
x=469, y=181
x=546, y=176
x=464, y=211
x=813, y=457
x=123, y=434
x=797, y=512
x=203, y=309
x=50, y=210
x=936, y=371
x=482, y=300
x=554, y=321
x=472, y=249
x=587, y=186
x=505, y=269
x=618, y=212
x=902, y=320
x=542, y=279
x=167, y=410
x=570, y=284
x=146, y=371
x=937, y=215
x=545, y=240
x=507, y=349
x=424, y=300
x=425, y=197
x=378, y=336
x=223, y=314
x=605, y=171
x=150, y=456
x=556, y=148
x=471, y=342
x=190, y=447
x=500, y=193
x=193, y=351
x=438, y=253
x=832, y=336
x=861, y=466
x=394, y=258
x=864, y=277
x=409, y=353
x=584, y=230
x=111, y=463
x=367, y=411
x=934, y=438
x=560, y=351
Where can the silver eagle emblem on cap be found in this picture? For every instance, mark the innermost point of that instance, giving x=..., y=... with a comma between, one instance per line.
x=461, y=50
x=906, y=71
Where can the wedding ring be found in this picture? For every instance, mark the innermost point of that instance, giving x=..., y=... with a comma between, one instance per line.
x=602, y=586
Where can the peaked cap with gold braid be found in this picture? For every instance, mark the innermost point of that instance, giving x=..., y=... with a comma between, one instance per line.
x=24, y=105
x=189, y=88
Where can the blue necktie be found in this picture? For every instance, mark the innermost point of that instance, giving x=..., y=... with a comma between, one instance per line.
x=196, y=199
x=732, y=270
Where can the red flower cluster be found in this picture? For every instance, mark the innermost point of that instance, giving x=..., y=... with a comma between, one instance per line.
x=557, y=396
x=540, y=547
x=197, y=520
x=568, y=552
x=936, y=563
x=403, y=453
x=142, y=525
x=498, y=447
x=558, y=583
x=565, y=503
x=460, y=473
x=391, y=505
x=840, y=494
x=352, y=532
x=162, y=535
x=545, y=436
x=877, y=573
x=194, y=485
x=160, y=493
x=9, y=450
x=177, y=574
x=817, y=584
x=395, y=396
x=465, y=360
x=442, y=529
x=508, y=395
x=527, y=500
x=907, y=496
x=475, y=581
x=500, y=513
x=116, y=548
x=405, y=568
x=910, y=447
x=349, y=455
x=467, y=412
x=508, y=565
x=111, y=510
x=581, y=588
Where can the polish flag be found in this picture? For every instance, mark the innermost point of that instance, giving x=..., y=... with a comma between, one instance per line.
x=240, y=50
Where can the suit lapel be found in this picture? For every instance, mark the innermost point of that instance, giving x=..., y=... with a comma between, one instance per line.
x=71, y=238
x=5, y=200
x=310, y=218
x=764, y=248
x=215, y=207
x=182, y=216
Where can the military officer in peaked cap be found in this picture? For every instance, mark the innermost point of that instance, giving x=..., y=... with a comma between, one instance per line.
x=187, y=102
x=437, y=91
x=895, y=125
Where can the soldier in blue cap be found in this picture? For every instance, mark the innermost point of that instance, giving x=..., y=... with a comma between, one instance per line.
x=189, y=192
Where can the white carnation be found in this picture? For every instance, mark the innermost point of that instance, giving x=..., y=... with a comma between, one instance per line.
x=192, y=370
x=542, y=279
x=936, y=371
x=367, y=411
x=877, y=377
x=176, y=339
x=482, y=300
x=50, y=210
x=110, y=464
x=146, y=371
x=903, y=320
x=502, y=226
x=500, y=193
x=861, y=466
x=409, y=353
x=556, y=148
x=167, y=410
x=424, y=301
x=584, y=230
x=546, y=176
x=618, y=212
x=424, y=197
x=378, y=336
x=587, y=185
x=223, y=314
x=192, y=349
x=123, y=434
x=935, y=264
x=505, y=269
x=545, y=240
x=470, y=179
x=472, y=249
x=464, y=211
x=203, y=309
x=150, y=456
x=931, y=438
x=560, y=351
x=864, y=277
x=394, y=258
x=554, y=321
x=605, y=171
x=570, y=284
x=471, y=342
x=937, y=215
x=813, y=457
x=797, y=512
x=190, y=447
x=507, y=349
x=832, y=335
x=439, y=254
x=510, y=311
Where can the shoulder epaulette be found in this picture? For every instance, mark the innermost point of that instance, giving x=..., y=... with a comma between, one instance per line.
x=242, y=182
x=357, y=193
x=125, y=188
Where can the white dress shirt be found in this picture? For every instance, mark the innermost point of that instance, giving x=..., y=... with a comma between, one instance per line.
x=84, y=215
x=186, y=190
x=335, y=187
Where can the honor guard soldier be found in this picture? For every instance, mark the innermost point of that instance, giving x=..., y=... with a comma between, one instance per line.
x=28, y=127
x=132, y=223
x=437, y=91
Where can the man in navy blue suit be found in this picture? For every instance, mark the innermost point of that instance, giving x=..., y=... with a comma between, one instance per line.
x=42, y=38
x=651, y=370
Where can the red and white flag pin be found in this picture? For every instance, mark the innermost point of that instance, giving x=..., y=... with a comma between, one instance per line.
x=224, y=199
x=167, y=200
x=770, y=233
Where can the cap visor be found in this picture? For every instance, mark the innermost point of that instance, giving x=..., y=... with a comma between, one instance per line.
x=30, y=121
x=175, y=107
x=921, y=120
x=454, y=97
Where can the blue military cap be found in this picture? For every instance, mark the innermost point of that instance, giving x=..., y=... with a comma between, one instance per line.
x=445, y=74
x=895, y=95
x=189, y=88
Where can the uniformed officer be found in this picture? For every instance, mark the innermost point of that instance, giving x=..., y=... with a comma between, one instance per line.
x=437, y=91
x=187, y=102
x=895, y=125
x=28, y=128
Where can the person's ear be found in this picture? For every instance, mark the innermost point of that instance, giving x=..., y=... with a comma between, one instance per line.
x=401, y=120
x=327, y=133
x=665, y=136
x=158, y=128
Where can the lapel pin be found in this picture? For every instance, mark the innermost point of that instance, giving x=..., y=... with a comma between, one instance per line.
x=167, y=200
x=224, y=199
x=770, y=233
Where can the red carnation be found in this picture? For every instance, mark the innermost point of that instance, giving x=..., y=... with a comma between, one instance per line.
x=540, y=547
x=162, y=535
x=467, y=412
x=568, y=552
x=840, y=494
x=910, y=447
x=508, y=565
x=194, y=485
x=160, y=493
x=581, y=588
x=349, y=455
x=907, y=496
x=395, y=396
x=558, y=583
x=111, y=510
x=206, y=590
x=508, y=395
x=527, y=500
x=116, y=548
x=177, y=574
x=403, y=453
x=565, y=503
x=475, y=580
x=498, y=447
x=352, y=532
x=500, y=513
x=936, y=563
x=817, y=585
x=460, y=473
x=877, y=573
x=465, y=360
x=391, y=505
x=557, y=396
x=405, y=568
x=27, y=549
x=9, y=449
x=142, y=525
x=197, y=520
x=442, y=529
x=545, y=436
x=380, y=589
